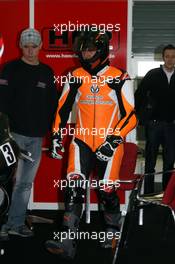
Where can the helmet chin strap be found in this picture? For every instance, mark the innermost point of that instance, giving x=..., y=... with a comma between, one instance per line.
x=94, y=69
x=95, y=64
x=107, y=58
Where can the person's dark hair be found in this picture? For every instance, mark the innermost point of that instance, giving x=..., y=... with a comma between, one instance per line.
x=167, y=47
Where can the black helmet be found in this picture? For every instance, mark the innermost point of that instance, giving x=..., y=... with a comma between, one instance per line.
x=93, y=41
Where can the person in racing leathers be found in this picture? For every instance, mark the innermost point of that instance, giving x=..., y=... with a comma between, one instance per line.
x=104, y=100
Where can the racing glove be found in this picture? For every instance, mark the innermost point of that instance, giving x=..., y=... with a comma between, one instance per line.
x=57, y=149
x=106, y=150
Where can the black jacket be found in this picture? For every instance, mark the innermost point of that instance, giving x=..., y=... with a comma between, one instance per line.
x=155, y=97
x=28, y=96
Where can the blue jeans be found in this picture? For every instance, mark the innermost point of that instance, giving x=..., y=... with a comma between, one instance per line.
x=24, y=177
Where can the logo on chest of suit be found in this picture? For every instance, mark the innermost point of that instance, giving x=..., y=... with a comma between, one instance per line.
x=94, y=88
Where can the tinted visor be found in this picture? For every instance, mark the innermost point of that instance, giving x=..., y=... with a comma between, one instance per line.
x=85, y=41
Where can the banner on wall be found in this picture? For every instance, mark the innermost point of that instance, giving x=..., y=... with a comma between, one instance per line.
x=58, y=20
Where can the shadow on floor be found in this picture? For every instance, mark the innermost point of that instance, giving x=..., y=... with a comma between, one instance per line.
x=89, y=250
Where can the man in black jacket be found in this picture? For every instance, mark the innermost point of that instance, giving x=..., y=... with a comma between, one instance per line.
x=28, y=96
x=155, y=105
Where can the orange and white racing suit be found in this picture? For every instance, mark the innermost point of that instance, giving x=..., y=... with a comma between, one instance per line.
x=100, y=111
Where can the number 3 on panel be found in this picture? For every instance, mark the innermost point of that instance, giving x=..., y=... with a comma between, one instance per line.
x=8, y=153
